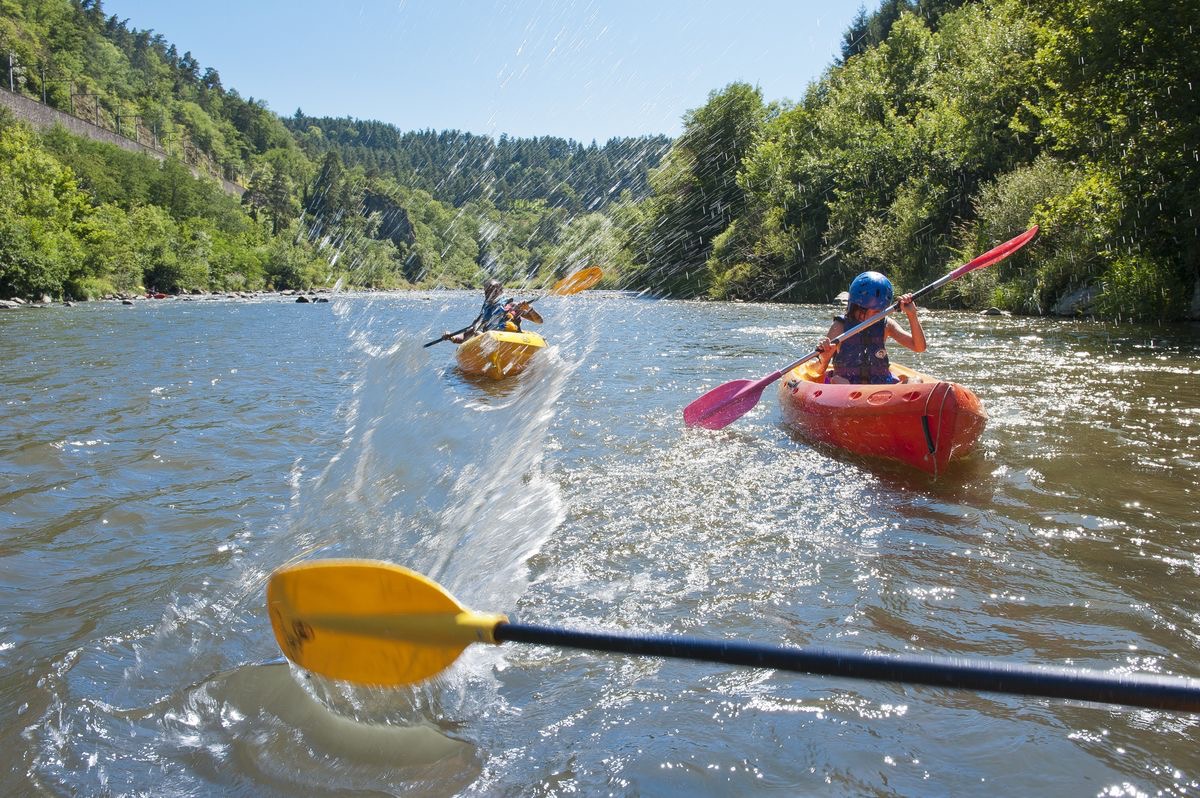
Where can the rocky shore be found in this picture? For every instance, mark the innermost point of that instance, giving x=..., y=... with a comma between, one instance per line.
x=302, y=297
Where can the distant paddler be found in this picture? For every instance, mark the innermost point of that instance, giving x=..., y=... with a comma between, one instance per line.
x=495, y=315
x=506, y=316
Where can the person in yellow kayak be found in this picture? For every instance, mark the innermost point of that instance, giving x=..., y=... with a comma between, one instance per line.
x=862, y=358
x=495, y=314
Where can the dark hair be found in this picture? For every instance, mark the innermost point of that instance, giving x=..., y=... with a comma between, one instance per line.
x=852, y=310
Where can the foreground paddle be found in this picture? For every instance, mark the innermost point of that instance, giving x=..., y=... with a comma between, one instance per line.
x=571, y=284
x=380, y=624
x=726, y=403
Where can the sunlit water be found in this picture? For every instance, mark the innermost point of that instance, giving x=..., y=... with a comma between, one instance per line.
x=158, y=461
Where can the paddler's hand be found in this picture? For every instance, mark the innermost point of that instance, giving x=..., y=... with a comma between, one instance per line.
x=525, y=311
x=908, y=305
x=825, y=345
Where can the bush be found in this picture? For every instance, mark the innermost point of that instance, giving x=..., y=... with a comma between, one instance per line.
x=1047, y=192
x=294, y=265
x=34, y=259
x=89, y=288
x=1138, y=288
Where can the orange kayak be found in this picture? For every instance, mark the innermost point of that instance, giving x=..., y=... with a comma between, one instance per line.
x=498, y=354
x=921, y=421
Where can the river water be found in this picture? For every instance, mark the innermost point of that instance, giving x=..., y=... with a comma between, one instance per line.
x=158, y=461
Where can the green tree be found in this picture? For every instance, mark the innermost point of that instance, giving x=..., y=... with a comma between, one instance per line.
x=157, y=247
x=695, y=192
x=291, y=263
x=278, y=198
x=40, y=207
x=877, y=166
x=109, y=257
x=1119, y=99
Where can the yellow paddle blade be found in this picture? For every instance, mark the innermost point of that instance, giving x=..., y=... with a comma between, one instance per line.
x=370, y=622
x=579, y=281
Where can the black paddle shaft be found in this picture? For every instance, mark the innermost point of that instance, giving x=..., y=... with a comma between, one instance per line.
x=470, y=326
x=1138, y=690
x=447, y=336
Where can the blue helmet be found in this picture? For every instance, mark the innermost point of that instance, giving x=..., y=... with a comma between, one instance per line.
x=871, y=290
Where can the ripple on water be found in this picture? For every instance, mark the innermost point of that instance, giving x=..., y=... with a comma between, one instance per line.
x=135, y=567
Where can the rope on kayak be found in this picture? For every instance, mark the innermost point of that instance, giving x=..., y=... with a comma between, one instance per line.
x=929, y=441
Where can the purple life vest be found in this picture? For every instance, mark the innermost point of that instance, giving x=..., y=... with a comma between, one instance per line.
x=862, y=358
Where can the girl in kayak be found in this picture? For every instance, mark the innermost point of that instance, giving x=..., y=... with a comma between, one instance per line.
x=862, y=358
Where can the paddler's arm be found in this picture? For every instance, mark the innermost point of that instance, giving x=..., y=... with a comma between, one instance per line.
x=914, y=340
x=826, y=348
x=470, y=332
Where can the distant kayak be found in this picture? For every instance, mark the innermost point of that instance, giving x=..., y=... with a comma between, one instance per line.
x=498, y=354
x=924, y=422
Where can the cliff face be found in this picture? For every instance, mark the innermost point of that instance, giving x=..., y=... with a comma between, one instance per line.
x=43, y=117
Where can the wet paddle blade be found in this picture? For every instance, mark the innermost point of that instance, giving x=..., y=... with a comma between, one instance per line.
x=724, y=404
x=579, y=281
x=369, y=622
x=377, y=623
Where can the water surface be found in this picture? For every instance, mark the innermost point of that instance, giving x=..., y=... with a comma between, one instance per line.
x=158, y=461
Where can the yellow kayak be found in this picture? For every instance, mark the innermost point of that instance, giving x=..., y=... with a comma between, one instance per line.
x=498, y=354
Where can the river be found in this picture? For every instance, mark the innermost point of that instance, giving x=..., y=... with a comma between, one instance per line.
x=158, y=461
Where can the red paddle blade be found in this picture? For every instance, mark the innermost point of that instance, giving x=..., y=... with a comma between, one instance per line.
x=995, y=254
x=724, y=404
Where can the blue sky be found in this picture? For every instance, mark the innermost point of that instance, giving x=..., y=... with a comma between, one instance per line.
x=581, y=69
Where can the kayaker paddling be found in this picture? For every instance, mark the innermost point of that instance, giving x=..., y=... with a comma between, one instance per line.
x=498, y=317
x=862, y=359
x=495, y=315
x=732, y=400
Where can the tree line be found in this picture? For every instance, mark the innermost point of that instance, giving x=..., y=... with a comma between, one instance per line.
x=946, y=128
x=458, y=167
x=83, y=219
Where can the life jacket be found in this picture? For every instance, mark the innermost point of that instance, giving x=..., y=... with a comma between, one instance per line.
x=862, y=358
x=512, y=319
x=493, y=316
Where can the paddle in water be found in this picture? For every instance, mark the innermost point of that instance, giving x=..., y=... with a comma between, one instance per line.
x=571, y=284
x=726, y=403
x=380, y=624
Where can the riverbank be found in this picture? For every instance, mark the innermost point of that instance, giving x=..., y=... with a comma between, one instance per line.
x=312, y=296
x=323, y=295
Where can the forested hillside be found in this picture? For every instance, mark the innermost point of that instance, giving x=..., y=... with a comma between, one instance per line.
x=458, y=167
x=949, y=127
x=945, y=127
x=84, y=219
